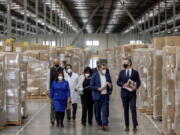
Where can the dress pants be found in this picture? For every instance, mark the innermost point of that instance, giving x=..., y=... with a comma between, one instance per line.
x=52, y=114
x=102, y=107
x=130, y=101
x=60, y=117
x=87, y=109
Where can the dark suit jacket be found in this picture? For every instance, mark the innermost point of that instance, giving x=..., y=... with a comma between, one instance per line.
x=96, y=70
x=53, y=74
x=96, y=84
x=122, y=79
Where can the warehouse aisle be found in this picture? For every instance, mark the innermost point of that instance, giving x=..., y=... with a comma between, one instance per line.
x=38, y=123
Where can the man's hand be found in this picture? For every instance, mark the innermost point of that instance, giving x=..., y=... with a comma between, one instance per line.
x=69, y=100
x=134, y=88
x=102, y=89
x=109, y=84
x=125, y=85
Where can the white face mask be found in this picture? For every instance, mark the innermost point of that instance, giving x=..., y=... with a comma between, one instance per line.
x=87, y=75
x=60, y=78
x=104, y=72
x=69, y=70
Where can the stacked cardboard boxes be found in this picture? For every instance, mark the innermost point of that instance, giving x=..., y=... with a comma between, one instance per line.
x=3, y=119
x=159, y=43
x=14, y=65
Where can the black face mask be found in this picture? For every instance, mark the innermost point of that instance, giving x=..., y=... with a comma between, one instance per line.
x=125, y=66
x=56, y=65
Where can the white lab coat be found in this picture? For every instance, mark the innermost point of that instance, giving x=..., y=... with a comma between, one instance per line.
x=79, y=86
x=73, y=80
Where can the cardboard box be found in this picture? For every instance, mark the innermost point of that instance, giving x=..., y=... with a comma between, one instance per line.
x=14, y=113
x=159, y=43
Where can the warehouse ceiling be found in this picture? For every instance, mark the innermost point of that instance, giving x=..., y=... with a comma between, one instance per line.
x=109, y=18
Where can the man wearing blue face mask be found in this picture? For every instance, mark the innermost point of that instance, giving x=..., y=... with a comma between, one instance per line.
x=101, y=85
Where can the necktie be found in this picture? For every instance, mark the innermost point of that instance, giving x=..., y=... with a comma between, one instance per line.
x=128, y=73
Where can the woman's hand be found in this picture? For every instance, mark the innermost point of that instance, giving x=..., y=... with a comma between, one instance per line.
x=69, y=100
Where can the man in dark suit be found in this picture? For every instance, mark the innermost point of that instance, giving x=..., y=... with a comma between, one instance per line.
x=128, y=93
x=98, y=63
x=53, y=75
x=101, y=84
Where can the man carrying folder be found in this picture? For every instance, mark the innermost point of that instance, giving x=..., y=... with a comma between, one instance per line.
x=129, y=82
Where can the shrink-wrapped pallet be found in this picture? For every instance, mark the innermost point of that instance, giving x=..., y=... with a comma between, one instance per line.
x=169, y=63
x=3, y=119
x=157, y=85
x=149, y=65
x=37, y=77
x=172, y=40
x=177, y=94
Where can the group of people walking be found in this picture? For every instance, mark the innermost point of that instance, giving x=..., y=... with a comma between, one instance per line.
x=94, y=88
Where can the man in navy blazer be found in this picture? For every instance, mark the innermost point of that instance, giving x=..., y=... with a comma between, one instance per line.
x=128, y=94
x=101, y=84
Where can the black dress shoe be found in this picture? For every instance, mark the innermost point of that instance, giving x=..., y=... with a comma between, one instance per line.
x=52, y=123
x=90, y=123
x=127, y=129
x=135, y=129
x=83, y=124
x=62, y=125
x=74, y=118
x=57, y=125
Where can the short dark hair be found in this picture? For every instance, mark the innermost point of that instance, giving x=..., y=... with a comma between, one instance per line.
x=102, y=64
x=68, y=65
x=89, y=70
x=59, y=74
x=129, y=60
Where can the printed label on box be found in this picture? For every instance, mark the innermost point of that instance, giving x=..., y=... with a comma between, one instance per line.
x=11, y=75
x=18, y=49
x=8, y=48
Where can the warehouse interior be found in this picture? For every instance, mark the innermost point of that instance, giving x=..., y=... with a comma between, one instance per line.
x=81, y=32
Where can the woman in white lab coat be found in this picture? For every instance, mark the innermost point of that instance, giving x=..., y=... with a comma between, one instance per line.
x=72, y=78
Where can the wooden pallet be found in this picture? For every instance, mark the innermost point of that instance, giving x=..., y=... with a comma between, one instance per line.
x=170, y=133
x=157, y=118
x=37, y=97
x=15, y=123
x=2, y=127
x=149, y=112
x=142, y=110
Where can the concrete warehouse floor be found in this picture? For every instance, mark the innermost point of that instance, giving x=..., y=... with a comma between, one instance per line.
x=38, y=122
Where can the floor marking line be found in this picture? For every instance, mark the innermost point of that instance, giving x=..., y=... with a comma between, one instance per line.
x=29, y=121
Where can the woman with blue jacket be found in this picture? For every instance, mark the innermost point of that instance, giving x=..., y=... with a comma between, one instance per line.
x=60, y=95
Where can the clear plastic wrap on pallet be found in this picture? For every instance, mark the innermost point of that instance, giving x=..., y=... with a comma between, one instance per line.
x=12, y=78
x=159, y=43
x=168, y=112
x=149, y=65
x=44, y=55
x=142, y=69
x=157, y=85
x=177, y=94
x=14, y=113
x=3, y=119
x=33, y=91
x=172, y=40
x=13, y=60
x=37, y=77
